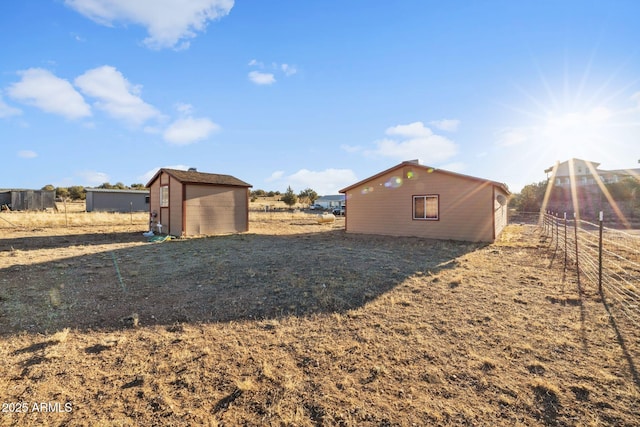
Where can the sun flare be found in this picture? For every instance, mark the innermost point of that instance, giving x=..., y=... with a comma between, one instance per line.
x=574, y=132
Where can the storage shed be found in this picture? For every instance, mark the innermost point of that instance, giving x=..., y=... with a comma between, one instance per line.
x=410, y=199
x=192, y=203
x=28, y=200
x=113, y=200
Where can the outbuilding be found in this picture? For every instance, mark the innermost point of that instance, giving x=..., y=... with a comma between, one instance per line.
x=192, y=203
x=28, y=200
x=115, y=200
x=331, y=201
x=410, y=199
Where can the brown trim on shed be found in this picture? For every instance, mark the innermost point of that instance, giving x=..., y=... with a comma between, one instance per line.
x=184, y=208
x=493, y=213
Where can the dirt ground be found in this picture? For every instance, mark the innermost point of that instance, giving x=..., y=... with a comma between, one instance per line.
x=297, y=323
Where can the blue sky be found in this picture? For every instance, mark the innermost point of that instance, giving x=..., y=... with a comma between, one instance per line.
x=314, y=94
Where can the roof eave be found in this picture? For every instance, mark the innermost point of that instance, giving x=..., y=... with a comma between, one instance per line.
x=501, y=185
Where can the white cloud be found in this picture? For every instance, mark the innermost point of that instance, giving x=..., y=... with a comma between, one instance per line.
x=149, y=174
x=415, y=141
x=93, y=178
x=27, y=154
x=115, y=95
x=289, y=70
x=454, y=167
x=51, y=94
x=189, y=130
x=261, y=78
x=324, y=182
x=412, y=130
x=351, y=148
x=184, y=109
x=8, y=111
x=275, y=176
x=449, y=125
x=169, y=23
x=512, y=137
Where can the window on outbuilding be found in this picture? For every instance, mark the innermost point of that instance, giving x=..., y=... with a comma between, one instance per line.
x=164, y=196
x=426, y=207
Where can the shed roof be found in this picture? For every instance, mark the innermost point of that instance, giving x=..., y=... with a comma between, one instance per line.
x=195, y=177
x=429, y=169
x=116, y=190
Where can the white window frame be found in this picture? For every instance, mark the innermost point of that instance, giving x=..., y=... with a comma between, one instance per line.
x=164, y=196
x=426, y=197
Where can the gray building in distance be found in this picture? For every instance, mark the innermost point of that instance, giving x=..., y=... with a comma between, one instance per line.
x=112, y=200
x=28, y=200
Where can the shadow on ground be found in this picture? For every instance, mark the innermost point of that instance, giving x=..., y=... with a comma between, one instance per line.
x=215, y=279
x=65, y=241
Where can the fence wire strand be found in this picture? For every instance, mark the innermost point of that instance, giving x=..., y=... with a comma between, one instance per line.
x=604, y=258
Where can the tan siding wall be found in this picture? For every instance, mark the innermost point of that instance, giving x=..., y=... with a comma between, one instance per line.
x=175, y=207
x=216, y=209
x=383, y=206
x=154, y=197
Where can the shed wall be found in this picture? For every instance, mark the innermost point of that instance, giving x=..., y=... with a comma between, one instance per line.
x=175, y=218
x=154, y=197
x=29, y=200
x=215, y=209
x=385, y=206
x=116, y=202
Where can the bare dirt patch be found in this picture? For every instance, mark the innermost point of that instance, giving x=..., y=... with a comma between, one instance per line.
x=298, y=323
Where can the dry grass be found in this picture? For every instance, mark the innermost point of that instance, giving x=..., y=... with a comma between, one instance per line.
x=297, y=323
x=10, y=221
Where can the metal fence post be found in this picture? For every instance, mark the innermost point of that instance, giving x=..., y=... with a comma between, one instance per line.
x=557, y=221
x=600, y=253
x=575, y=222
x=565, y=240
x=546, y=223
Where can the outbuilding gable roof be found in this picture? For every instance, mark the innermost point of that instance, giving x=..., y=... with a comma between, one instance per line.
x=116, y=191
x=195, y=177
x=428, y=169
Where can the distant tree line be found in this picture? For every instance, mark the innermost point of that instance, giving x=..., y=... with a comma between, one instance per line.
x=78, y=192
x=289, y=197
x=625, y=193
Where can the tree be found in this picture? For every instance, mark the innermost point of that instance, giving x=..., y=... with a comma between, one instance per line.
x=49, y=187
x=289, y=197
x=623, y=190
x=62, y=192
x=626, y=191
x=530, y=198
x=308, y=195
x=105, y=185
x=77, y=192
x=138, y=186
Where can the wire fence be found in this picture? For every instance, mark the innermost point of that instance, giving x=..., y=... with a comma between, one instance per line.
x=605, y=258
